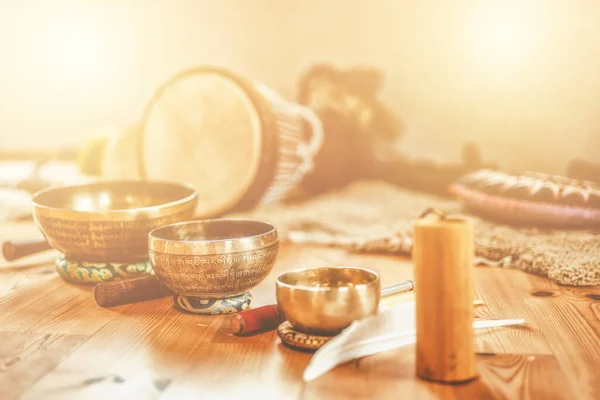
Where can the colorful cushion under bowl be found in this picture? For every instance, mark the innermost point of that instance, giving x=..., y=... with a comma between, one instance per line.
x=300, y=340
x=87, y=273
x=212, y=306
x=531, y=198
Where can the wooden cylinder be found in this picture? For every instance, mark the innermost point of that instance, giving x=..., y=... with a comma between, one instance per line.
x=134, y=290
x=15, y=249
x=257, y=320
x=443, y=256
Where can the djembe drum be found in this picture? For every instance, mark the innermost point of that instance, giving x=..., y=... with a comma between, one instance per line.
x=238, y=142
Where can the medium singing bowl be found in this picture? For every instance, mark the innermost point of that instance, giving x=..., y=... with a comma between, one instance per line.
x=109, y=221
x=324, y=301
x=206, y=262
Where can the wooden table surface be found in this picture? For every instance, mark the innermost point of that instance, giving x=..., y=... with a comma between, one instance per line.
x=55, y=342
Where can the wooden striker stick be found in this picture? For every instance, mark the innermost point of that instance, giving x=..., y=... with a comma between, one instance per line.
x=15, y=249
x=127, y=291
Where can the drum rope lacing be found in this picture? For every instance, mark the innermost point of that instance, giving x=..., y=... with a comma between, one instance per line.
x=289, y=123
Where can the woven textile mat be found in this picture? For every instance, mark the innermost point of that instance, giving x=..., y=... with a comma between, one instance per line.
x=374, y=216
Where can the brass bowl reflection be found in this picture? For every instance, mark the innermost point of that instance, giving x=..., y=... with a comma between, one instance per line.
x=324, y=301
x=213, y=258
x=109, y=221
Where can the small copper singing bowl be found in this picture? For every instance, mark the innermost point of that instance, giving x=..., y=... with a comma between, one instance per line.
x=109, y=221
x=324, y=301
x=204, y=262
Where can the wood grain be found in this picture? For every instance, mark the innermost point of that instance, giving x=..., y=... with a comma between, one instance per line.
x=525, y=376
x=501, y=376
x=567, y=322
x=26, y=357
x=56, y=343
x=68, y=309
x=22, y=287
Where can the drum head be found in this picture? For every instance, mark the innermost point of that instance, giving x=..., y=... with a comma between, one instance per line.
x=203, y=128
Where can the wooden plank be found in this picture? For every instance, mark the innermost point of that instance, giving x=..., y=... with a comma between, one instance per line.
x=19, y=291
x=516, y=340
x=387, y=376
x=26, y=357
x=567, y=320
x=150, y=350
x=35, y=299
x=143, y=343
x=526, y=377
x=25, y=281
x=505, y=376
x=184, y=354
x=505, y=303
x=14, y=279
x=152, y=340
x=66, y=309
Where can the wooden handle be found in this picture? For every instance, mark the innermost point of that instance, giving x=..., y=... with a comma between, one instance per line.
x=15, y=249
x=259, y=319
x=443, y=255
x=116, y=293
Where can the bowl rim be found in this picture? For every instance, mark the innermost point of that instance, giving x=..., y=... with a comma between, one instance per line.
x=279, y=283
x=203, y=221
x=213, y=246
x=125, y=214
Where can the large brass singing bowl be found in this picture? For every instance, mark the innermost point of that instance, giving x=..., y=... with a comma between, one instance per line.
x=324, y=301
x=109, y=221
x=210, y=260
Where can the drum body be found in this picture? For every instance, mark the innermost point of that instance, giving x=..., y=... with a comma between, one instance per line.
x=235, y=140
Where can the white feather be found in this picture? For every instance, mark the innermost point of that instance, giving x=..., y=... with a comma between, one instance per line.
x=389, y=330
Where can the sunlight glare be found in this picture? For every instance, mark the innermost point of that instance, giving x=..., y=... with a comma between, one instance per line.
x=502, y=35
x=75, y=46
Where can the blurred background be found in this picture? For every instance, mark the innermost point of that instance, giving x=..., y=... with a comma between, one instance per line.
x=520, y=78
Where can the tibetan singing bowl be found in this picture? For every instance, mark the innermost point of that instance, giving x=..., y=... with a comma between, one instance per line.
x=324, y=301
x=109, y=221
x=213, y=259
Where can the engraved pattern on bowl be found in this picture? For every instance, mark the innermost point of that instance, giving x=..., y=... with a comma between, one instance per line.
x=105, y=234
x=209, y=269
x=214, y=275
x=104, y=241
